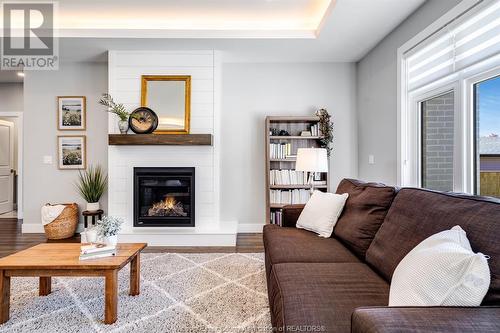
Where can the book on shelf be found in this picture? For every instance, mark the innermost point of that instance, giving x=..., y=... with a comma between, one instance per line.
x=287, y=177
x=315, y=130
x=277, y=217
x=289, y=197
x=94, y=251
x=280, y=150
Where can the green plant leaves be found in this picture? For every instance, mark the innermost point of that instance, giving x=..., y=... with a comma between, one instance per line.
x=118, y=109
x=92, y=183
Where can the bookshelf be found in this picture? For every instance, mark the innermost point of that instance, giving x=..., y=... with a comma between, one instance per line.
x=279, y=182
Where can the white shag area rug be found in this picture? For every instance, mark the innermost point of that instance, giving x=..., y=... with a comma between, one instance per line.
x=180, y=293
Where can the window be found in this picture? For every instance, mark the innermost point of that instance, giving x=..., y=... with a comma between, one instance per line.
x=487, y=138
x=449, y=80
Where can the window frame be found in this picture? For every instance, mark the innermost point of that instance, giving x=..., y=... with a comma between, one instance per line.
x=471, y=164
x=415, y=142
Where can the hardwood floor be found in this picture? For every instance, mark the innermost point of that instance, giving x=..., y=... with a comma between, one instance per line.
x=12, y=240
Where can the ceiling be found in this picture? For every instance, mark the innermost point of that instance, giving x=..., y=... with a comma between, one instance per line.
x=244, y=30
x=174, y=18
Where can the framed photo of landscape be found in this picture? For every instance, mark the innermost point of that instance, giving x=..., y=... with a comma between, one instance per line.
x=71, y=113
x=72, y=152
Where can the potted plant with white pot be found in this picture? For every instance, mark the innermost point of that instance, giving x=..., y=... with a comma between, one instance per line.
x=108, y=229
x=91, y=185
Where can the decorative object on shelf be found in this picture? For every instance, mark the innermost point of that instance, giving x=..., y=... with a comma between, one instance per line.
x=143, y=120
x=312, y=160
x=325, y=129
x=274, y=132
x=118, y=109
x=72, y=152
x=71, y=113
x=305, y=133
x=284, y=133
x=64, y=225
x=108, y=229
x=170, y=97
x=91, y=185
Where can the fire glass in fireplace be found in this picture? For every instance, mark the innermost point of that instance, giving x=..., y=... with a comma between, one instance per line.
x=164, y=197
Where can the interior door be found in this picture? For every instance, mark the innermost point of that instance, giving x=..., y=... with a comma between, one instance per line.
x=6, y=166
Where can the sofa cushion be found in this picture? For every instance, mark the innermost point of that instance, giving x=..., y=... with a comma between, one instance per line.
x=449, y=273
x=296, y=245
x=417, y=214
x=322, y=296
x=363, y=213
x=322, y=212
x=426, y=319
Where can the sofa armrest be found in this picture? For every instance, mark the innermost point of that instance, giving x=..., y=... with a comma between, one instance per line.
x=291, y=215
x=425, y=319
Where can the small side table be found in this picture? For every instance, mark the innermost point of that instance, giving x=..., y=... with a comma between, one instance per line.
x=95, y=213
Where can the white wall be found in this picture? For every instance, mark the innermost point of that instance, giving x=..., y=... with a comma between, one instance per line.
x=46, y=183
x=253, y=91
x=377, y=94
x=11, y=97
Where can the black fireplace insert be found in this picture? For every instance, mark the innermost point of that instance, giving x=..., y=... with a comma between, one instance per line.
x=164, y=197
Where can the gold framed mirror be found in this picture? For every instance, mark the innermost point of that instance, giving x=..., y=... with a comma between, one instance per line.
x=169, y=96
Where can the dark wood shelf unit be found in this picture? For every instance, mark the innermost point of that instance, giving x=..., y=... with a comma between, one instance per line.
x=294, y=125
x=160, y=139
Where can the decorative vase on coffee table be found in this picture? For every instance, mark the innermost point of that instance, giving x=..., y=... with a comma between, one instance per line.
x=90, y=236
x=111, y=240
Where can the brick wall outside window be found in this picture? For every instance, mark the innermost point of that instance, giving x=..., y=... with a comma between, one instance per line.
x=437, y=142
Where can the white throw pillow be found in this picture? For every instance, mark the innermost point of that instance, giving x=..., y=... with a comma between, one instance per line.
x=441, y=270
x=321, y=213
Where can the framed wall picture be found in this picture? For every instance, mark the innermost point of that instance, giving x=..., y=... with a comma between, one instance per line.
x=72, y=152
x=71, y=113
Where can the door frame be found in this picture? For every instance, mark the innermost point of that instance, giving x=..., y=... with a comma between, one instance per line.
x=20, y=154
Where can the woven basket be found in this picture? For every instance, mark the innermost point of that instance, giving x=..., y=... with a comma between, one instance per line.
x=64, y=226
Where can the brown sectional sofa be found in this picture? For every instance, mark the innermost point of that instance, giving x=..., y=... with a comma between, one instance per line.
x=341, y=284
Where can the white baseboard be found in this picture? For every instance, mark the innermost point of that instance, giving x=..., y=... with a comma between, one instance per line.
x=250, y=227
x=31, y=228
x=179, y=240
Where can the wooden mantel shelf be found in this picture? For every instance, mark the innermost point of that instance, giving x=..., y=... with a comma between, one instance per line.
x=160, y=139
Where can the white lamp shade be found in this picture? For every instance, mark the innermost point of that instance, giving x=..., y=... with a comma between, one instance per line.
x=312, y=159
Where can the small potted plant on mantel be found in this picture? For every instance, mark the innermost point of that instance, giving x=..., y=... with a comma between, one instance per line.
x=91, y=185
x=108, y=229
x=118, y=109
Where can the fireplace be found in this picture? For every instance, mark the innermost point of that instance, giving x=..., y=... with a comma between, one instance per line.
x=164, y=197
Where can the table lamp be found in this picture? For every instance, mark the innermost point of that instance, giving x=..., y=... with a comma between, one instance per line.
x=312, y=160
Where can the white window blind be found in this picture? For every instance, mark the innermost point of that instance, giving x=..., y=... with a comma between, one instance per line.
x=467, y=40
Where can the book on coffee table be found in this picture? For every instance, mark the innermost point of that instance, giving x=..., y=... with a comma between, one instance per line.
x=94, y=251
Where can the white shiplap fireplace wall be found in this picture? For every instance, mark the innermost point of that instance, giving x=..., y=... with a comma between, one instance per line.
x=125, y=70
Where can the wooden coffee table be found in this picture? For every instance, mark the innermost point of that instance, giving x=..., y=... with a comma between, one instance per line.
x=61, y=259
